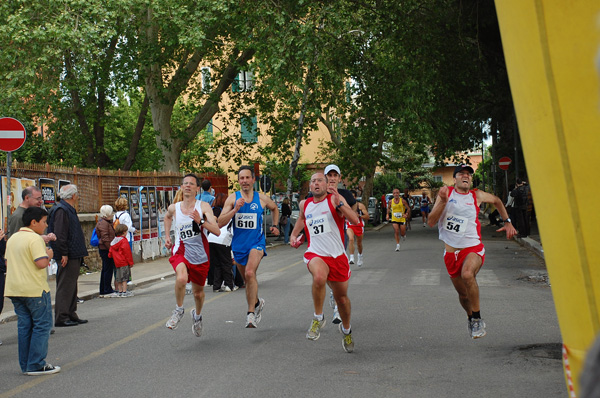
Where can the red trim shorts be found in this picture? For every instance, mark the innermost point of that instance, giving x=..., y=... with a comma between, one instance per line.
x=339, y=268
x=197, y=273
x=454, y=261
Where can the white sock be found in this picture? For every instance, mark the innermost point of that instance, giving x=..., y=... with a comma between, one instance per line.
x=319, y=317
x=346, y=331
x=197, y=317
x=178, y=308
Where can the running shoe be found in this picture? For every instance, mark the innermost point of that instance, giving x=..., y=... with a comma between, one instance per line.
x=196, y=324
x=258, y=310
x=404, y=238
x=47, y=369
x=331, y=300
x=250, y=321
x=470, y=326
x=314, y=332
x=351, y=259
x=173, y=322
x=360, y=260
x=336, y=316
x=188, y=288
x=225, y=289
x=397, y=247
x=424, y=224
x=477, y=328
x=347, y=341
x=127, y=294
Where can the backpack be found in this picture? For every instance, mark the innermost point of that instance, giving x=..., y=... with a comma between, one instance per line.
x=117, y=222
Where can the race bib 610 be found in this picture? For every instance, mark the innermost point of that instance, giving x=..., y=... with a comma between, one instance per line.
x=246, y=220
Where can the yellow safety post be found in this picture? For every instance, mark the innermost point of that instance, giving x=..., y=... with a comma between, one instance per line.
x=551, y=48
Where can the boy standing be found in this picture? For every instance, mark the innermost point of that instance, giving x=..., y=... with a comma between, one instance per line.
x=120, y=252
x=26, y=260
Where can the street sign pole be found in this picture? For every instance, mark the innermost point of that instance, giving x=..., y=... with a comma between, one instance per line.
x=8, y=186
x=12, y=137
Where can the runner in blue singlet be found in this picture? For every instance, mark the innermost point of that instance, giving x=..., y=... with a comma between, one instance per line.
x=245, y=208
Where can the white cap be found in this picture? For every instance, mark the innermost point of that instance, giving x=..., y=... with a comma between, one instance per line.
x=332, y=167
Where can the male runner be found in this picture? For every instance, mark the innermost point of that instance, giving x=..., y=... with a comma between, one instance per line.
x=322, y=217
x=356, y=232
x=398, y=209
x=190, y=252
x=456, y=208
x=424, y=207
x=249, y=243
x=334, y=176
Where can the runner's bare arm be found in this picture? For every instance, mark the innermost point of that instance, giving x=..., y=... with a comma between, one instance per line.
x=210, y=223
x=168, y=222
x=484, y=197
x=365, y=215
x=229, y=209
x=438, y=207
x=299, y=225
x=267, y=202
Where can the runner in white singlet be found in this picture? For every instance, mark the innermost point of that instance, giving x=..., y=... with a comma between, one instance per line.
x=456, y=212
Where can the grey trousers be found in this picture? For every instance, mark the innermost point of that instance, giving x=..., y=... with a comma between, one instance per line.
x=65, y=307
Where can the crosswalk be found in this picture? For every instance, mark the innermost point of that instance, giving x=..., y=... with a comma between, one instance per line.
x=419, y=277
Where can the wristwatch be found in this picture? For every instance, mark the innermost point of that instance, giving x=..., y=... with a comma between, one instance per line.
x=339, y=205
x=507, y=220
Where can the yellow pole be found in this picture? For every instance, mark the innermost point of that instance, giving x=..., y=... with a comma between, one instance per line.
x=550, y=48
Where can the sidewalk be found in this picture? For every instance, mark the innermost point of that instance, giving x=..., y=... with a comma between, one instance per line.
x=88, y=284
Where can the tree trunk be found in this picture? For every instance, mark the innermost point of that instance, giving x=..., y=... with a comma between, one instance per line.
x=137, y=134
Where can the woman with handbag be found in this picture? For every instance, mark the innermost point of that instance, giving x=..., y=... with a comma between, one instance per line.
x=106, y=233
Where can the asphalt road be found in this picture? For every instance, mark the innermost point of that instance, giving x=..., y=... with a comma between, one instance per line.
x=409, y=329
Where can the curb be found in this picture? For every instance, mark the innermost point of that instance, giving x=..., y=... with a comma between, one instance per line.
x=533, y=245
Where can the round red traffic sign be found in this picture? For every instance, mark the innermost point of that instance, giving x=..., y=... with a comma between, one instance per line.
x=504, y=162
x=12, y=134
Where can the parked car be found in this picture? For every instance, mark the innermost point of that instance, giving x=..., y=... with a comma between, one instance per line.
x=374, y=211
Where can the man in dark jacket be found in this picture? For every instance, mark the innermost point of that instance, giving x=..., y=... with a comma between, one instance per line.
x=520, y=193
x=69, y=251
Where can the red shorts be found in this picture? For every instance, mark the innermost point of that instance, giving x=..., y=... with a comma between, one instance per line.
x=454, y=261
x=357, y=229
x=197, y=273
x=339, y=269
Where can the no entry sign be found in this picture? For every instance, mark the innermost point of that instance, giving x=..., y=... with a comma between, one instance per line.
x=504, y=162
x=12, y=134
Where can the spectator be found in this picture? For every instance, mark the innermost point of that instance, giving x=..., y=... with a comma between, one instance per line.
x=120, y=253
x=32, y=196
x=285, y=220
x=27, y=287
x=69, y=251
x=207, y=193
x=122, y=214
x=520, y=208
x=220, y=252
x=106, y=234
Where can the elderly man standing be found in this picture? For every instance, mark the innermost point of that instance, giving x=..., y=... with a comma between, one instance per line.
x=69, y=251
x=32, y=197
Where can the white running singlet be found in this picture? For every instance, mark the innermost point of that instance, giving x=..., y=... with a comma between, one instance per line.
x=193, y=242
x=459, y=226
x=324, y=228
